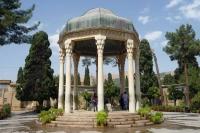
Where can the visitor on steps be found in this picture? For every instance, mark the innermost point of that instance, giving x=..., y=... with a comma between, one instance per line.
x=94, y=102
x=125, y=100
x=121, y=101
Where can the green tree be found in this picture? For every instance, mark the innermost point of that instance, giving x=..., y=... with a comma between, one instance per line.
x=194, y=80
x=169, y=79
x=153, y=93
x=183, y=47
x=110, y=89
x=147, y=75
x=87, y=97
x=195, y=102
x=12, y=22
x=79, y=79
x=87, y=76
x=126, y=81
x=175, y=94
x=110, y=78
x=38, y=75
x=20, y=81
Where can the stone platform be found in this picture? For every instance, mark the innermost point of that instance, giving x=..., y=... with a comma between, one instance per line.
x=86, y=119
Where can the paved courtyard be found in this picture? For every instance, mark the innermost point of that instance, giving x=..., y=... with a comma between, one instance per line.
x=24, y=122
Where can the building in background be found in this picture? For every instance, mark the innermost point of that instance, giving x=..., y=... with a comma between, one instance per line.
x=7, y=96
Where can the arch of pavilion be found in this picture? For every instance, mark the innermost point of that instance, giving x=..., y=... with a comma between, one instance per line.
x=99, y=33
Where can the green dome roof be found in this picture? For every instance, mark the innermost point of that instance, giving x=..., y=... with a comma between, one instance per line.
x=98, y=18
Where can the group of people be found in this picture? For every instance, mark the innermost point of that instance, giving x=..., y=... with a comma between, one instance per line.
x=123, y=101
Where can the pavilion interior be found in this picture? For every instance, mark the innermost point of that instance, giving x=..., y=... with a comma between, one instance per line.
x=89, y=48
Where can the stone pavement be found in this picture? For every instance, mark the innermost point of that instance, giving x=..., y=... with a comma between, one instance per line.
x=24, y=122
x=17, y=121
x=179, y=123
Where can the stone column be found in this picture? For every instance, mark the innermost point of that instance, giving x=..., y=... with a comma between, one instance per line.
x=68, y=48
x=76, y=58
x=131, y=70
x=100, y=41
x=61, y=79
x=137, y=79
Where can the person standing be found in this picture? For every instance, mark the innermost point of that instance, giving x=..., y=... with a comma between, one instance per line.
x=94, y=102
x=125, y=100
x=121, y=101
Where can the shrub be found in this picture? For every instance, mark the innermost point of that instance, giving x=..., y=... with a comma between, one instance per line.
x=101, y=118
x=50, y=115
x=169, y=108
x=144, y=112
x=5, y=111
x=157, y=118
x=195, y=102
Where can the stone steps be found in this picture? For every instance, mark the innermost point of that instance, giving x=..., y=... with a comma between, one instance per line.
x=80, y=126
x=74, y=120
x=73, y=123
x=88, y=120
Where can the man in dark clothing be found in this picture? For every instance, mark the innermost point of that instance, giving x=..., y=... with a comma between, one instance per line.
x=121, y=102
x=125, y=100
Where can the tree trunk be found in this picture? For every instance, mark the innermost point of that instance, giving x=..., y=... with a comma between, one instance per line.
x=158, y=78
x=186, y=85
x=175, y=102
x=40, y=104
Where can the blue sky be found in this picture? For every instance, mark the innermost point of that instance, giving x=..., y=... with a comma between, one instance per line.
x=151, y=18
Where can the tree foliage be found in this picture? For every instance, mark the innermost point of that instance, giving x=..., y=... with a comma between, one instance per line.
x=126, y=81
x=20, y=81
x=110, y=89
x=184, y=47
x=153, y=92
x=79, y=79
x=169, y=79
x=175, y=94
x=87, y=76
x=195, y=104
x=147, y=75
x=12, y=22
x=38, y=84
x=194, y=80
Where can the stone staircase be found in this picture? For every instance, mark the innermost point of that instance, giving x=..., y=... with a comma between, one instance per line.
x=88, y=120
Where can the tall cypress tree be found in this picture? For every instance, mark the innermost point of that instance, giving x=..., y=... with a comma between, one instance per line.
x=87, y=76
x=147, y=75
x=79, y=79
x=38, y=75
x=20, y=81
x=12, y=20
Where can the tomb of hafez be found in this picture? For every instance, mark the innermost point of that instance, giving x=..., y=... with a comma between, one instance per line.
x=98, y=33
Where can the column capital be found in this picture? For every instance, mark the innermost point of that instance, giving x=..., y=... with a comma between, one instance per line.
x=68, y=47
x=100, y=42
x=129, y=47
x=62, y=55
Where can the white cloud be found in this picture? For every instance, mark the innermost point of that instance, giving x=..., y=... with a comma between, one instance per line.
x=173, y=3
x=192, y=10
x=144, y=19
x=152, y=36
x=53, y=39
x=174, y=19
x=164, y=43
